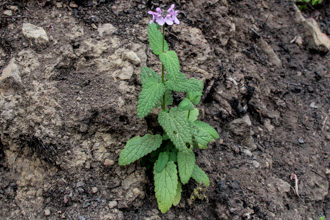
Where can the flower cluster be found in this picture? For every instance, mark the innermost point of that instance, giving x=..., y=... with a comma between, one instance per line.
x=169, y=19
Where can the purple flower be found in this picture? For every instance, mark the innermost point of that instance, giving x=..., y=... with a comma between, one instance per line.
x=172, y=16
x=169, y=19
x=157, y=16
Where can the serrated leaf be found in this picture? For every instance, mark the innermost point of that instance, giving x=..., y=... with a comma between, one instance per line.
x=161, y=161
x=166, y=183
x=152, y=92
x=200, y=176
x=203, y=133
x=176, y=127
x=186, y=161
x=171, y=62
x=177, y=197
x=186, y=104
x=207, y=128
x=194, y=97
x=181, y=84
x=156, y=39
x=138, y=147
x=148, y=73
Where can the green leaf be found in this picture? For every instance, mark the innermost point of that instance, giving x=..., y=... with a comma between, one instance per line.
x=207, y=128
x=173, y=156
x=161, y=161
x=200, y=176
x=147, y=73
x=171, y=62
x=176, y=127
x=138, y=147
x=156, y=39
x=186, y=162
x=194, y=97
x=193, y=115
x=166, y=183
x=178, y=195
x=168, y=97
x=186, y=104
x=152, y=92
x=203, y=133
x=179, y=83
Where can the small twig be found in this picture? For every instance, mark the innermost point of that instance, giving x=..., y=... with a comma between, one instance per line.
x=295, y=178
x=323, y=124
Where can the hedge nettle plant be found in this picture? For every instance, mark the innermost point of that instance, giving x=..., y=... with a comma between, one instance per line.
x=175, y=160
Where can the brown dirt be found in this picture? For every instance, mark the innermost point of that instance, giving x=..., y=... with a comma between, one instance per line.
x=219, y=41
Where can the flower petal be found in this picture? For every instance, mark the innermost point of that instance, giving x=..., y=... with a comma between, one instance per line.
x=176, y=20
x=171, y=8
x=169, y=20
x=159, y=11
x=160, y=21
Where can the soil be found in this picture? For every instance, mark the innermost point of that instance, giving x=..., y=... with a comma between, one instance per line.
x=271, y=111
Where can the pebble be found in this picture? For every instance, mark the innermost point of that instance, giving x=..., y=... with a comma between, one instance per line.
x=8, y=12
x=47, y=212
x=108, y=162
x=81, y=218
x=95, y=190
x=13, y=8
x=247, y=152
x=313, y=105
x=327, y=171
x=256, y=164
x=112, y=204
x=301, y=141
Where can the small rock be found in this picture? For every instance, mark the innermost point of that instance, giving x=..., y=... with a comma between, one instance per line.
x=132, y=57
x=316, y=40
x=108, y=162
x=106, y=29
x=313, y=105
x=256, y=164
x=8, y=12
x=95, y=190
x=241, y=126
x=126, y=72
x=327, y=171
x=112, y=204
x=301, y=141
x=94, y=26
x=81, y=218
x=47, y=212
x=13, y=8
x=247, y=152
x=273, y=58
x=38, y=34
x=10, y=77
x=299, y=41
x=268, y=125
x=283, y=186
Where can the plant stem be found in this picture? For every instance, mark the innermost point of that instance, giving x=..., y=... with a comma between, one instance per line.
x=163, y=74
x=188, y=114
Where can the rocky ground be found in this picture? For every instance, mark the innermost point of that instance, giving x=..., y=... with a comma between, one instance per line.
x=68, y=92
